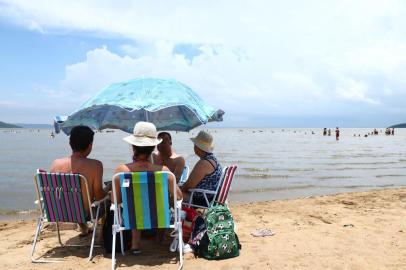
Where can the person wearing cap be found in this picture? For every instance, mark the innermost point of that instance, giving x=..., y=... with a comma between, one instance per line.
x=143, y=141
x=207, y=171
x=167, y=156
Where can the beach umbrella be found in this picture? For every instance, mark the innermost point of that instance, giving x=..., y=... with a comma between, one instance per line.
x=169, y=104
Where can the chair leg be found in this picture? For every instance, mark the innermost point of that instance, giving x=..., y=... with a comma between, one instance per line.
x=59, y=234
x=113, y=250
x=180, y=247
x=34, y=243
x=94, y=232
x=122, y=242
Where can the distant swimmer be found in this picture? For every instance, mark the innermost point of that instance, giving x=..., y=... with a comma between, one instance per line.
x=324, y=131
x=52, y=135
x=329, y=132
x=337, y=134
x=393, y=131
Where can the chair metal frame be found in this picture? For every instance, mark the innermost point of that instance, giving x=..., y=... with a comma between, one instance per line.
x=118, y=228
x=185, y=175
x=229, y=169
x=42, y=218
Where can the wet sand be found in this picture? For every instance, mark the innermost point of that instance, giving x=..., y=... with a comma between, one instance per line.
x=364, y=230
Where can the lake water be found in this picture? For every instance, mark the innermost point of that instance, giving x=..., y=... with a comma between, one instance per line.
x=272, y=163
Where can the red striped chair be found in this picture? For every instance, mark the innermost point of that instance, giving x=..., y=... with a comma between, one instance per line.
x=60, y=200
x=219, y=195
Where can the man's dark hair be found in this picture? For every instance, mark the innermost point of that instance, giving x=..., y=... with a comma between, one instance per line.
x=164, y=133
x=143, y=150
x=80, y=138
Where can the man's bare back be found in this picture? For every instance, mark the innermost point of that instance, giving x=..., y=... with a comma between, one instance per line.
x=175, y=163
x=91, y=169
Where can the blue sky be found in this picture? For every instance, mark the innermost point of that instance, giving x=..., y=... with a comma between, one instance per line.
x=266, y=63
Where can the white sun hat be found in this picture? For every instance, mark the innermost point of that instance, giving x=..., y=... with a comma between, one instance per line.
x=144, y=134
x=204, y=141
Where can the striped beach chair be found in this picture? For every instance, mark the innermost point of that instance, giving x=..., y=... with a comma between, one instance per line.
x=145, y=205
x=217, y=196
x=60, y=200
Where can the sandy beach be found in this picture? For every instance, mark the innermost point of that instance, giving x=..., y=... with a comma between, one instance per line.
x=364, y=230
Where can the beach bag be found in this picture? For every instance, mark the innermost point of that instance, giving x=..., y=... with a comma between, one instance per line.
x=188, y=222
x=108, y=234
x=218, y=241
x=198, y=230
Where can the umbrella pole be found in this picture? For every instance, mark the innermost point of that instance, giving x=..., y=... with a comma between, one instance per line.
x=146, y=116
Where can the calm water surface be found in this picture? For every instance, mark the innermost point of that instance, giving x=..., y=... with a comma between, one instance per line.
x=272, y=163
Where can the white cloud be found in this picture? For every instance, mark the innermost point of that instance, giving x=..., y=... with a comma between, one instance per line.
x=7, y=103
x=269, y=57
x=355, y=91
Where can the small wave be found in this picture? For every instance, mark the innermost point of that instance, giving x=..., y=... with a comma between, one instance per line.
x=389, y=175
x=387, y=185
x=357, y=163
x=334, y=177
x=354, y=186
x=19, y=212
x=255, y=190
x=301, y=170
x=247, y=162
x=261, y=176
x=257, y=169
x=360, y=168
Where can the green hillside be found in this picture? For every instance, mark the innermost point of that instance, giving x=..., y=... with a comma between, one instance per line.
x=5, y=125
x=399, y=126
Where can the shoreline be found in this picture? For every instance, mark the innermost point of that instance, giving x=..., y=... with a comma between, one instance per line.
x=357, y=230
x=239, y=198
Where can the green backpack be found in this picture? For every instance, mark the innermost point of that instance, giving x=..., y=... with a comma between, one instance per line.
x=220, y=241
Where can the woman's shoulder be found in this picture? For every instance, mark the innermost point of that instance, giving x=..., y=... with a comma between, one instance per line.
x=156, y=167
x=123, y=168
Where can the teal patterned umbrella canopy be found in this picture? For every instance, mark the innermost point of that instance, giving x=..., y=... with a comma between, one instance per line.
x=167, y=103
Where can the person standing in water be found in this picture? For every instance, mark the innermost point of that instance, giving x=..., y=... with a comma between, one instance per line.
x=337, y=134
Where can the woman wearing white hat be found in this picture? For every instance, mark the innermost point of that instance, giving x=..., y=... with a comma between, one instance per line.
x=207, y=171
x=143, y=141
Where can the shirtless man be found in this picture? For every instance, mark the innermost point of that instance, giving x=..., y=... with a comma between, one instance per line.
x=81, y=141
x=167, y=157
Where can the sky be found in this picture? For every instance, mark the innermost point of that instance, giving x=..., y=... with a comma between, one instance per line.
x=265, y=63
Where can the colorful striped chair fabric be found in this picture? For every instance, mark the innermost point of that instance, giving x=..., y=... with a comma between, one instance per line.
x=63, y=196
x=60, y=199
x=225, y=185
x=145, y=205
x=145, y=200
x=217, y=196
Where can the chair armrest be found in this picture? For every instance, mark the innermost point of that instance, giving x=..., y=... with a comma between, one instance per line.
x=179, y=203
x=97, y=203
x=193, y=190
